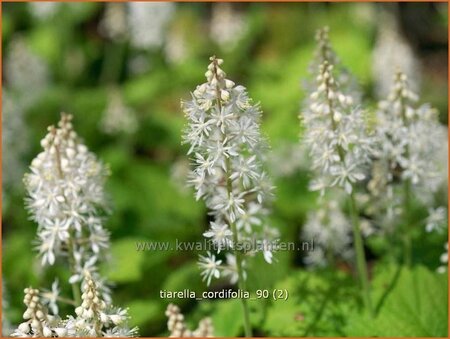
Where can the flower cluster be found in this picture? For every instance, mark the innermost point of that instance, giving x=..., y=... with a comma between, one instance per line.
x=436, y=220
x=113, y=25
x=341, y=149
x=228, y=25
x=178, y=328
x=38, y=323
x=66, y=199
x=412, y=148
x=13, y=148
x=118, y=117
x=94, y=318
x=330, y=230
x=144, y=23
x=227, y=152
x=177, y=48
x=413, y=142
x=147, y=23
x=6, y=326
x=325, y=52
x=44, y=10
x=26, y=73
x=391, y=52
x=444, y=260
x=336, y=135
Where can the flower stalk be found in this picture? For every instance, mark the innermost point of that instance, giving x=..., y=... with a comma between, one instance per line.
x=66, y=199
x=227, y=153
x=339, y=143
x=361, y=262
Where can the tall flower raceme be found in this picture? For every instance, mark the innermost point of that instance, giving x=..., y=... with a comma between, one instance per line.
x=331, y=230
x=227, y=151
x=179, y=329
x=392, y=51
x=143, y=23
x=324, y=51
x=339, y=143
x=444, y=260
x=13, y=148
x=336, y=134
x=118, y=117
x=228, y=26
x=411, y=160
x=93, y=318
x=66, y=198
x=147, y=23
x=6, y=326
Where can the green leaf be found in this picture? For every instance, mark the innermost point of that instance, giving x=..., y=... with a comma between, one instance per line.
x=143, y=311
x=185, y=277
x=411, y=303
x=126, y=261
x=228, y=318
x=316, y=306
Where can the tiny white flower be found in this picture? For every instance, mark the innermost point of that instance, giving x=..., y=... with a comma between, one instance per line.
x=50, y=298
x=210, y=267
x=220, y=234
x=436, y=219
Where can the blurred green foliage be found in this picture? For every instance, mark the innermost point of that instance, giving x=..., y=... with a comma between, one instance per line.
x=149, y=205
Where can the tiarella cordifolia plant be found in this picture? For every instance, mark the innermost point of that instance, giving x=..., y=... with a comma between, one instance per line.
x=6, y=326
x=411, y=160
x=413, y=144
x=228, y=26
x=336, y=135
x=444, y=260
x=227, y=152
x=26, y=74
x=148, y=22
x=338, y=140
x=94, y=318
x=324, y=52
x=113, y=25
x=392, y=51
x=13, y=148
x=44, y=10
x=66, y=199
x=178, y=328
x=331, y=231
x=118, y=118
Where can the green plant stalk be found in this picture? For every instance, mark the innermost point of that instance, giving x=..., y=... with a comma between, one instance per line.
x=75, y=286
x=407, y=236
x=241, y=284
x=406, y=199
x=238, y=255
x=113, y=63
x=361, y=263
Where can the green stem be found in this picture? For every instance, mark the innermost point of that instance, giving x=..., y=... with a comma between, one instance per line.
x=240, y=272
x=113, y=62
x=70, y=245
x=406, y=191
x=406, y=233
x=67, y=301
x=241, y=283
x=361, y=263
x=75, y=287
